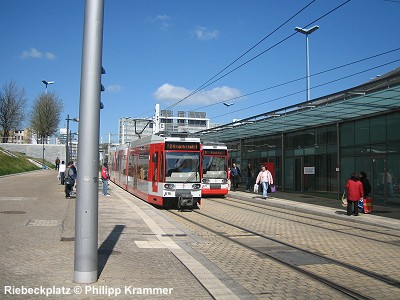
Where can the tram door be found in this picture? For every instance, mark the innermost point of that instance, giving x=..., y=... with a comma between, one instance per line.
x=378, y=181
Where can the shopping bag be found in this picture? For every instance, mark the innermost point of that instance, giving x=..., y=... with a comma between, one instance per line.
x=273, y=188
x=361, y=205
x=344, y=199
x=255, y=189
x=367, y=205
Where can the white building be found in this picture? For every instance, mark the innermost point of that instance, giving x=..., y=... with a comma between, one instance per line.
x=163, y=121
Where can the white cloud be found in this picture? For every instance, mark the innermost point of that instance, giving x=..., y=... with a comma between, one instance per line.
x=115, y=88
x=171, y=94
x=202, y=33
x=163, y=20
x=34, y=53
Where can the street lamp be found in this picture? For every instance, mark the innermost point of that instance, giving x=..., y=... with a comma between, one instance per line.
x=307, y=32
x=66, y=141
x=46, y=83
x=227, y=107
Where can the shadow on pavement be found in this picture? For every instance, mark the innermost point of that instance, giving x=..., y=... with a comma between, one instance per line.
x=107, y=247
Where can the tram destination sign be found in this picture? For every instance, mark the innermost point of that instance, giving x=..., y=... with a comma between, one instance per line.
x=182, y=146
x=216, y=152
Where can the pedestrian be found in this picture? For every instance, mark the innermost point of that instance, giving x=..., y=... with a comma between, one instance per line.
x=61, y=171
x=249, y=176
x=365, y=183
x=105, y=176
x=229, y=178
x=235, y=174
x=355, y=192
x=265, y=178
x=70, y=176
x=57, y=163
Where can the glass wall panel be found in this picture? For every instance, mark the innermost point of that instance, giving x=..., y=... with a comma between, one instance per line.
x=346, y=168
x=393, y=127
x=309, y=179
x=393, y=147
x=298, y=152
x=378, y=129
x=347, y=134
x=309, y=150
x=393, y=178
x=346, y=152
x=320, y=149
x=361, y=136
x=289, y=174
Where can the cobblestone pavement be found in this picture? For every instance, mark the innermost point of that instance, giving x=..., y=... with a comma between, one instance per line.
x=376, y=250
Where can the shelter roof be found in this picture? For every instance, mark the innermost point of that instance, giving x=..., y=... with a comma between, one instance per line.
x=377, y=96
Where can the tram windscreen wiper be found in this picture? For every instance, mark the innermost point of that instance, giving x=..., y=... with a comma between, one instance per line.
x=192, y=177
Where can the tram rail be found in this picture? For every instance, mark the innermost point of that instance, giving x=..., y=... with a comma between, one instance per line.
x=266, y=210
x=209, y=222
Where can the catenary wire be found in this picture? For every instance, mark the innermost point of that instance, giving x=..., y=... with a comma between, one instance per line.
x=258, y=55
x=302, y=91
x=301, y=78
x=242, y=55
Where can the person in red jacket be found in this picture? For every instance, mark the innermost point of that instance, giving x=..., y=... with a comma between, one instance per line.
x=355, y=192
x=105, y=176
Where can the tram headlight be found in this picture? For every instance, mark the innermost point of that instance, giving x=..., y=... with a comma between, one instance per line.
x=169, y=186
x=196, y=186
x=206, y=180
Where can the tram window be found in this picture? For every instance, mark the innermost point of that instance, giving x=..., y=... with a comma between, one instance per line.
x=182, y=166
x=214, y=167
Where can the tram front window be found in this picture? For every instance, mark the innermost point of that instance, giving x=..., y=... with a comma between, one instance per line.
x=182, y=167
x=214, y=167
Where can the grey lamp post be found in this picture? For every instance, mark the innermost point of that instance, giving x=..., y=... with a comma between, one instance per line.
x=307, y=32
x=46, y=83
x=67, y=138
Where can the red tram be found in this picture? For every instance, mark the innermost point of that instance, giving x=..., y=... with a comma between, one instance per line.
x=164, y=171
x=215, y=168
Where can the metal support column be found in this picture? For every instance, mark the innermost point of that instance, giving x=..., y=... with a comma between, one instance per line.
x=86, y=211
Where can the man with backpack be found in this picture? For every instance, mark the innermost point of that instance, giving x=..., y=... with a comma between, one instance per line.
x=69, y=179
x=105, y=176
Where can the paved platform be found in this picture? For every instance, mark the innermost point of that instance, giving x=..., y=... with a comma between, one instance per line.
x=141, y=251
x=388, y=216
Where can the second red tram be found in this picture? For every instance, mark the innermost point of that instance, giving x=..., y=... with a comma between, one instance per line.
x=215, y=168
x=164, y=171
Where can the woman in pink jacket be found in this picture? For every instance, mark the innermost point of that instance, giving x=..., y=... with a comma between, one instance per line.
x=265, y=177
x=355, y=192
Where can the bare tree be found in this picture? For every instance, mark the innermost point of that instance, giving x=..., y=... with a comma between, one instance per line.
x=46, y=115
x=12, y=108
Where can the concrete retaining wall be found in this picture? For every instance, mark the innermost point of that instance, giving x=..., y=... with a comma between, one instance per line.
x=34, y=150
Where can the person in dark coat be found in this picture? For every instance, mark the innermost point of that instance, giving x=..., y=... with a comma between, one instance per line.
x=70, y=175
x=365, y=183
x=235, y=173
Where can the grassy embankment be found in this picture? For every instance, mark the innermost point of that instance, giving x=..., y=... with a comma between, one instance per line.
x=12, y=165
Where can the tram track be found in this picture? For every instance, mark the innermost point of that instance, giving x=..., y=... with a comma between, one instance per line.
x=208, y=222
x=267, y=211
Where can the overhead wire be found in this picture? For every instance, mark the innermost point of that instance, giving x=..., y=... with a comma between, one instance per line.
x=258, y=55
x=301, y=78
x=302, y=91
x=205, y=84
x=201, y=87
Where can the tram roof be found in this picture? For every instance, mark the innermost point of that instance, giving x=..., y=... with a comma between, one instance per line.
x=377, y=96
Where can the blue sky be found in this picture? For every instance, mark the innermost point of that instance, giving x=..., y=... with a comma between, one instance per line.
x=159, y=51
